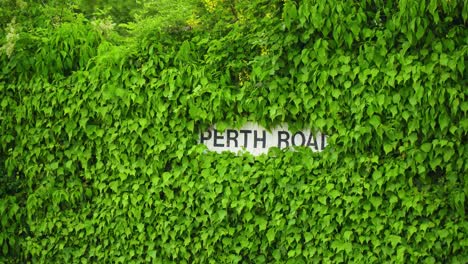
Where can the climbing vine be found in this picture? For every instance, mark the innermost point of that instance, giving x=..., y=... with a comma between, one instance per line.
x=100, y=160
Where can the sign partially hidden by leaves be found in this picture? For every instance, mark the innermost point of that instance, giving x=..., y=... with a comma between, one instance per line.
x=258, y=140
x=101, y=136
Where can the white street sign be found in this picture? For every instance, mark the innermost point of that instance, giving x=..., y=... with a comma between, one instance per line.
x=257, y=140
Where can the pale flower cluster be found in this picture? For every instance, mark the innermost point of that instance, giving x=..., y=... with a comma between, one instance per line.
x=103, y=26
x=11, y=38
x=210, y=5
x=193, y=21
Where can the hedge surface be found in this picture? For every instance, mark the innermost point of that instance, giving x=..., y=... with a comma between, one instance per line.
x=99, y=153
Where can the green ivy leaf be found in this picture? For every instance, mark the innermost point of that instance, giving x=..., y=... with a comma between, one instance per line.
x=271, y=235
x=426, y=147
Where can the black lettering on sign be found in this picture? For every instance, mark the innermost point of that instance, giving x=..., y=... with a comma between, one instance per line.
x=312, y=141
x=257, y=139
x=284, y=139
x=203, y=138
x=231, y=135
x=216, y=137
x=246, y=133
x=295, y=137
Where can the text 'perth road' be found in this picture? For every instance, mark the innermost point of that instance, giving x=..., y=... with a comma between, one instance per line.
x=257, y=140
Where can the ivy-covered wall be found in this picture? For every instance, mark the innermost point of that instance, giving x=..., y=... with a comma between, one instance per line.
x=99, y=153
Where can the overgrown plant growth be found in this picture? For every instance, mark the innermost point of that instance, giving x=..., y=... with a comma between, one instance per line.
x=99, y=153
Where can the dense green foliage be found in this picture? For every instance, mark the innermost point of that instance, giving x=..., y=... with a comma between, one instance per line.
x=99, y=160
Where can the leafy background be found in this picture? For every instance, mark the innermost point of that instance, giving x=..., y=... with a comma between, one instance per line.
x=100, y=115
